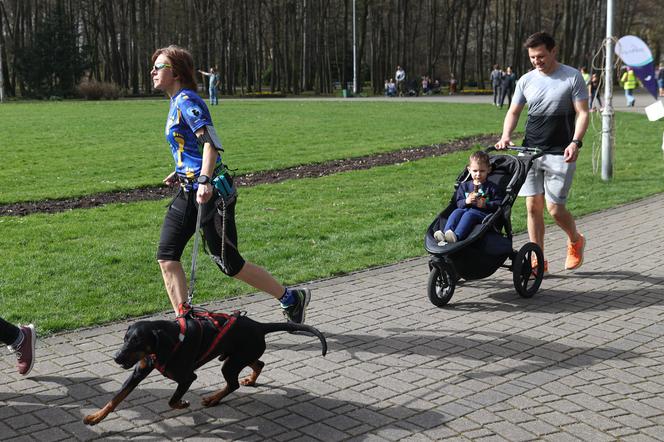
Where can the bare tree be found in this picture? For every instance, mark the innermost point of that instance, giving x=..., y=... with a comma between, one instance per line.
x=294, y=46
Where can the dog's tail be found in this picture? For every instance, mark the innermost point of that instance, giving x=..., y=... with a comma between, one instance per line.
x=295, y=328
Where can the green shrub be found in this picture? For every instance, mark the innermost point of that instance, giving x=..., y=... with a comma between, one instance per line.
x=96, y=90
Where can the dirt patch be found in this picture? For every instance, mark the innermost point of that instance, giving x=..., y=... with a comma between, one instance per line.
x=251, y=179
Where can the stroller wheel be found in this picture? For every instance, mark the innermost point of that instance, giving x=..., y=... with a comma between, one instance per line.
x=527, y=280
x=441, y=285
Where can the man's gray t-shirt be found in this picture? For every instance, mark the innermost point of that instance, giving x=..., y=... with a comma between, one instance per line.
x=551, y=114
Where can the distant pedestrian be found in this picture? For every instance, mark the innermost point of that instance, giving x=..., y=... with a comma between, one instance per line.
x=629, y=83
x=496, y=79
x=507, y=84
x=400, y=77
x=435, y=89
x=593, y=93
x=20, y=341
x=212, y=85
x=585, y=75
x=391, y=88
x=453, y=84
x=426, y=81
x=660, y=80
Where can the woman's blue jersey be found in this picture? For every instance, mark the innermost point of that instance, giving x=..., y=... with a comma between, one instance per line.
x=187, y=114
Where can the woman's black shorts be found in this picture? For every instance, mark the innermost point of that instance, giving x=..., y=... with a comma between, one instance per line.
x=180, y=225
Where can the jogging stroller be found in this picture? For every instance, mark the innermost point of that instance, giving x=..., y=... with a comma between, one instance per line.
x=489, y=244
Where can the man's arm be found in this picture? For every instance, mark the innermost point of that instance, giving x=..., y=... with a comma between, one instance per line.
x=580, y=127
x=511, y=120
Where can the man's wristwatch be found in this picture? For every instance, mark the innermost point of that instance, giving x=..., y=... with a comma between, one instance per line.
x=203, y=179
x=579, y=143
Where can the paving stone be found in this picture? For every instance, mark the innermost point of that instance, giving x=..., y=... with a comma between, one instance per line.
x=638, y=408
x=641, y=438
x=557, y=419
x=510, y=432
x=322, y=431
x=539, y=428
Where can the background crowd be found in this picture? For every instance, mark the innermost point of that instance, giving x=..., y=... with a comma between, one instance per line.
x=503, y=81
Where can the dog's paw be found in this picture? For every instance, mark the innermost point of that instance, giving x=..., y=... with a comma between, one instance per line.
x=249, y=381
x=179, y=405
x=92, y=419
x=210, y=401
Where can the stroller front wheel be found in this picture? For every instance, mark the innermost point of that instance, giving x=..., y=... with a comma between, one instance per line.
x=527, y=280
x=440, y=285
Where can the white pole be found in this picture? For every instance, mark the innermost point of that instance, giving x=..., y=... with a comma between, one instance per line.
x=608, y=147
x=2, y=84
x=304, y=46
x=354, y=54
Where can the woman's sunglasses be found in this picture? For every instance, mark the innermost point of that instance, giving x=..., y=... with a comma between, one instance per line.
x=159, y=66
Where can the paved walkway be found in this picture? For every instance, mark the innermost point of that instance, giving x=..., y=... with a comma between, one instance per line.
x=643, y=99
x=582, y=360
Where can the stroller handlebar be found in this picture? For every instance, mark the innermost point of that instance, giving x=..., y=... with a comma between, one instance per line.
x=534, y=151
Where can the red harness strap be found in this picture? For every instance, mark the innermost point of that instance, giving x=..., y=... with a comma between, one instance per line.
x=227, y=322
x=162, y=367
x=222, y=322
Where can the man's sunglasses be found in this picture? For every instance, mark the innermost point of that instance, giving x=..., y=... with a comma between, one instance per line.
x=159, y=66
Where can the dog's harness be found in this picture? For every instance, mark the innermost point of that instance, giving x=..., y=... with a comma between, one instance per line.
x=222, y=322
x=189, y=317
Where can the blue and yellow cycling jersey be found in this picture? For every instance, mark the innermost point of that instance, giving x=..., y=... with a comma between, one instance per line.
x=187, y=114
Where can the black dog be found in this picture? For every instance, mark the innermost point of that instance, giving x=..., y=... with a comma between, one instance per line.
x=178, y=348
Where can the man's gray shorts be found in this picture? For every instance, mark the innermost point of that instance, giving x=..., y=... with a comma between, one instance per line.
x=549, y=175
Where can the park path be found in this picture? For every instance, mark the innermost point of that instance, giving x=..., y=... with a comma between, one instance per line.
x=582, y=360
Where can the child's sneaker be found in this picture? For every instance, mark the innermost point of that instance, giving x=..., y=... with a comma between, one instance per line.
x=438, y=236
x=450, y=236
x=25, y=353
x=575, y=253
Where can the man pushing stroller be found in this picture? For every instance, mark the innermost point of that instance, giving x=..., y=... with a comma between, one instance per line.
x=557, y=100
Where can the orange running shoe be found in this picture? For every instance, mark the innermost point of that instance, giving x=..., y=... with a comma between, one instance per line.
x=575, y=253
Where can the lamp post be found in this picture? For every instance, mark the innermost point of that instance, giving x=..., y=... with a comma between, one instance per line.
x=2, y=84
x=354, y=54
x=607, y=114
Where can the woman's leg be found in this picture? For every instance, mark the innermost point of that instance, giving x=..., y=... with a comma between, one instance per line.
x=179, y=226
x=175, y=282
x=260, y=279
x=8, y=332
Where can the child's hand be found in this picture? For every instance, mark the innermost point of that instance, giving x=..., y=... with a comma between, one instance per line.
x=470, y=199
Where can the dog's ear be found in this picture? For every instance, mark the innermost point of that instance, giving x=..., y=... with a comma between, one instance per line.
x=154, y=345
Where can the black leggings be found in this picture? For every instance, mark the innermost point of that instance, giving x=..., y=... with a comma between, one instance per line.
x=180, y=225
x=8, y=332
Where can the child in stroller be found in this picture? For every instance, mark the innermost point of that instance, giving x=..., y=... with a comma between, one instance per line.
x=489, y=242
x=475, y=199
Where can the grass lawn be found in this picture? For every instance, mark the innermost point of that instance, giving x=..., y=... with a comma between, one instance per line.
x=90, y=266
x=65, y=149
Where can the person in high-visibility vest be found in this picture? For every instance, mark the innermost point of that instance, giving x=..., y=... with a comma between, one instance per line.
x=629, y=83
